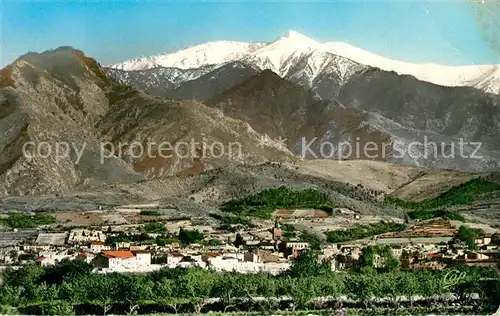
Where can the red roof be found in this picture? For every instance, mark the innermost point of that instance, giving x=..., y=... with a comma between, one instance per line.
x=435, y=255
x=96, y=242
x=40, y=259
x=118, y=254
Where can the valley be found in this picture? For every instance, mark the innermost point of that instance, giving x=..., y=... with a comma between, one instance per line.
x=193, y=190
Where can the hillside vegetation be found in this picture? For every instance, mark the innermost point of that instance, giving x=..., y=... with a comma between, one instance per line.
x=465, y=193
x=363, y=231
x=23, y=220
x=265, y=203
x=428, y=214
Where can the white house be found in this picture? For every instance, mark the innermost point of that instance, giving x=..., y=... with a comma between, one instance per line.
x=98, y=246
x=123, y=261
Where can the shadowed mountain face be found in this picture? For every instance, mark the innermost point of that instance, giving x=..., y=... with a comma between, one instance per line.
x=379, y=115
x=61, y=101
x=214, y=82
x=412, y=110
x=186, y=84
x=451, y=111
x=279, y=108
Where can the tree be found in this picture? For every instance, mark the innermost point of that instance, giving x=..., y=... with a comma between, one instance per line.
x=378, y=257
x=133, y=290
x=314, y=242
x=8, y=310
x=155, y=228
x=196, y=285
x=187, y=237
x=13, y=255
x=25, y=276
x=104, y=290
x=227, y=289
x=495, y=239
x=67, y=270
x=302, y=292
x=10, y=295
x=238, y=241
x=361, y=287
x=74, y=291
x=366, y=258
x=468, y=235
x=307, y=264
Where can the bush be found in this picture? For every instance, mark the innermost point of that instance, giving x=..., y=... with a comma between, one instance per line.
x=155, y=228
x=150, y=213
x=57, y=308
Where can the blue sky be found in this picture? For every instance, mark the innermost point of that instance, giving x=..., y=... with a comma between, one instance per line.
x=112, y=31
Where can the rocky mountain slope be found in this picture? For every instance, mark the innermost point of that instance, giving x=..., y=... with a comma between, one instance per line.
x=412, y=110
x=63, y=100
x=357, y=185
x=214, y=82
x=381, y=108
x=160, y=81
x=51, y=98
x=205, y=191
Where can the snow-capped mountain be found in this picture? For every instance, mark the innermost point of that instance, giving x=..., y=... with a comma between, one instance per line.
x=281, y=55
x=193, y=57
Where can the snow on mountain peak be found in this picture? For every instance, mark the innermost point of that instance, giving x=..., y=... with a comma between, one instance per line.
x=280, y=55
x=296, y=36
x=194, y=57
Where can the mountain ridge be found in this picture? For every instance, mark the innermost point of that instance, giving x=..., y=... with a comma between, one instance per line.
x=62, y=96
x=294, y=44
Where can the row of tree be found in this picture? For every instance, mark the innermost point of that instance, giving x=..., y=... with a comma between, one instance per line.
x=72, y=283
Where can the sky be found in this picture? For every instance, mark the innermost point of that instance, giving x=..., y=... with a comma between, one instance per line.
x=449, y=33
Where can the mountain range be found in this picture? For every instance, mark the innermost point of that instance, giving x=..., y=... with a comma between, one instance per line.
x=282, y=55
x=298, y=89
x=270, y=98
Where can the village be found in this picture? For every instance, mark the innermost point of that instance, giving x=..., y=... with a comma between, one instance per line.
x=138, y=239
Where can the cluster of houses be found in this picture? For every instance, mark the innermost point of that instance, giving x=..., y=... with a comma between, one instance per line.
x=264, y=250
x=421, y=252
